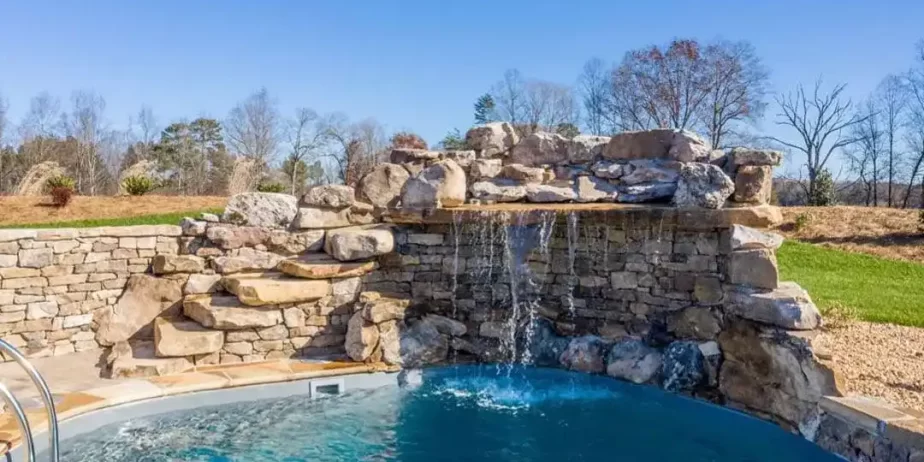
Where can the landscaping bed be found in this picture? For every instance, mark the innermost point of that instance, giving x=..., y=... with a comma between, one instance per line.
x=90, y=211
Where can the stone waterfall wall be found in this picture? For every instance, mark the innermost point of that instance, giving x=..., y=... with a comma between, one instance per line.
x=696, y=310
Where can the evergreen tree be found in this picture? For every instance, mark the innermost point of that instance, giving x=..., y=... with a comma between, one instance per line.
x=453, y=141
x=822, y=195
x=484, y=109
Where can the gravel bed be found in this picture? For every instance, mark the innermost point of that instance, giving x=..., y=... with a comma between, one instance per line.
x=879, y=360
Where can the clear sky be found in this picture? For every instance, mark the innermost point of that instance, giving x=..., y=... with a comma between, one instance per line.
x=410, y=64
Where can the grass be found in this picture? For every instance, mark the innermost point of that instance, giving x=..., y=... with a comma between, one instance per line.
x=35, y=211
x=875, y=289
x=155, y=219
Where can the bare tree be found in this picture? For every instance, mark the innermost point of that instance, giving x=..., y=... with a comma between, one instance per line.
x=509, y=97
x=737, y=83
x=355, y=148
x=4, y=107
x=866, y=158
x=39, y=128
x=891, y=99
x=915, y=123
x=668, y=86
x=822, y=122
x=595, y=83
x=253, y=128
x=144, y=131
x=306, y=135
x=86, y=126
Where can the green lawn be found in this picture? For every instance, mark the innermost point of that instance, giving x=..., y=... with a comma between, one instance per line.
x=879, y=290
x=160, y=219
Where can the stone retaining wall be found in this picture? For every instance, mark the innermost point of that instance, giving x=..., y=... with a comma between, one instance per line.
x=54, y=282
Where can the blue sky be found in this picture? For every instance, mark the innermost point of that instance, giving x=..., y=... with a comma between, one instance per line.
x=410, y=64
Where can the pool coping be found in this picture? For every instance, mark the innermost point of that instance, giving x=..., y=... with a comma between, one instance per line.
x=202, y=378
x=899, y=425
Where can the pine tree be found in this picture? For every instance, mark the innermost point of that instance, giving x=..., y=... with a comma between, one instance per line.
x=484, y=109
x=822, y=195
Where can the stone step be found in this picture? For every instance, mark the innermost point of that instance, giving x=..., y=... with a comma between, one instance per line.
x=320, y=266
x=182, y=338
x=259, y=289
x=226, y=312
x=138, y=359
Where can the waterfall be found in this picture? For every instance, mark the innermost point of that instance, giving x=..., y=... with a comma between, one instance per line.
x=572, y=254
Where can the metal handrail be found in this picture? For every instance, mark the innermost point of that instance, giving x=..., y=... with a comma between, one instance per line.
x=49, y=401
x=16, y=408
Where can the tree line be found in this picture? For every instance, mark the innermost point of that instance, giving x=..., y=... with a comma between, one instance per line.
x=718, y=89
x=191, y=157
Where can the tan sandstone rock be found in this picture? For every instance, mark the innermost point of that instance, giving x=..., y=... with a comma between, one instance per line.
x=316, y=266
x=358, y=243
x=382, y=186
x=174, y=338
x=362, y=338
x=144, y=299
x=228, y=313
x=442, y=184
x=273, y=289
x=170, y=264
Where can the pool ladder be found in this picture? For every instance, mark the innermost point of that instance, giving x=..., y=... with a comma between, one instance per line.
x=17, y=409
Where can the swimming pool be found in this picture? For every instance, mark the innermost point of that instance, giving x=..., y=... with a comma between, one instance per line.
x=452, y=413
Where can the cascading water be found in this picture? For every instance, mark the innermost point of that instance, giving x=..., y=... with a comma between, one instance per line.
x=572, y=255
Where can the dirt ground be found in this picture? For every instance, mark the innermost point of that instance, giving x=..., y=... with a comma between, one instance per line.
x=890, y=233
x=879, y=360
x=21, y=209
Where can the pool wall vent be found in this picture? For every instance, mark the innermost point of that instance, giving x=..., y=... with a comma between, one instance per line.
x=325, y=388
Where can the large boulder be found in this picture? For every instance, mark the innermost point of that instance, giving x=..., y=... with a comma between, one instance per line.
x=320, y=266
x=493, y=139
x=334, y=196
x=498, y=190
x=362, y=338
x=631, y=359
x=592, y=189
x=382, y=186
x=540, y=148
x=421, y=344
x=348, y=244
x=753, y=268
x=377, y=308
x=325, y=218
x=686, y=146
x=703, y=186
x=773, y=372
x=550, y=192
x=138, y=359
x=443, y=184
x=484, y=169
x=646, y=144
x=747, y=156
x=585, y=354
x=788, y=307
x=144, y=299
x=583, y=149
x=660, y=143
x=753, y=184
x=545, y=346
x=525, y=174
x=34, y=182
x=265, y=210
x=684, y=367
x=647, y=171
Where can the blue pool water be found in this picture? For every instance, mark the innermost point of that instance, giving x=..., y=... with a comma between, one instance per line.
x=460, y=413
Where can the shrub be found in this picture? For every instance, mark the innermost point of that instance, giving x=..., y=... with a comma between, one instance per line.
x=802, y=221
x=271, y=187
x=138, y=185
x=823, y=194
x=61, y=181
x=61, y=196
